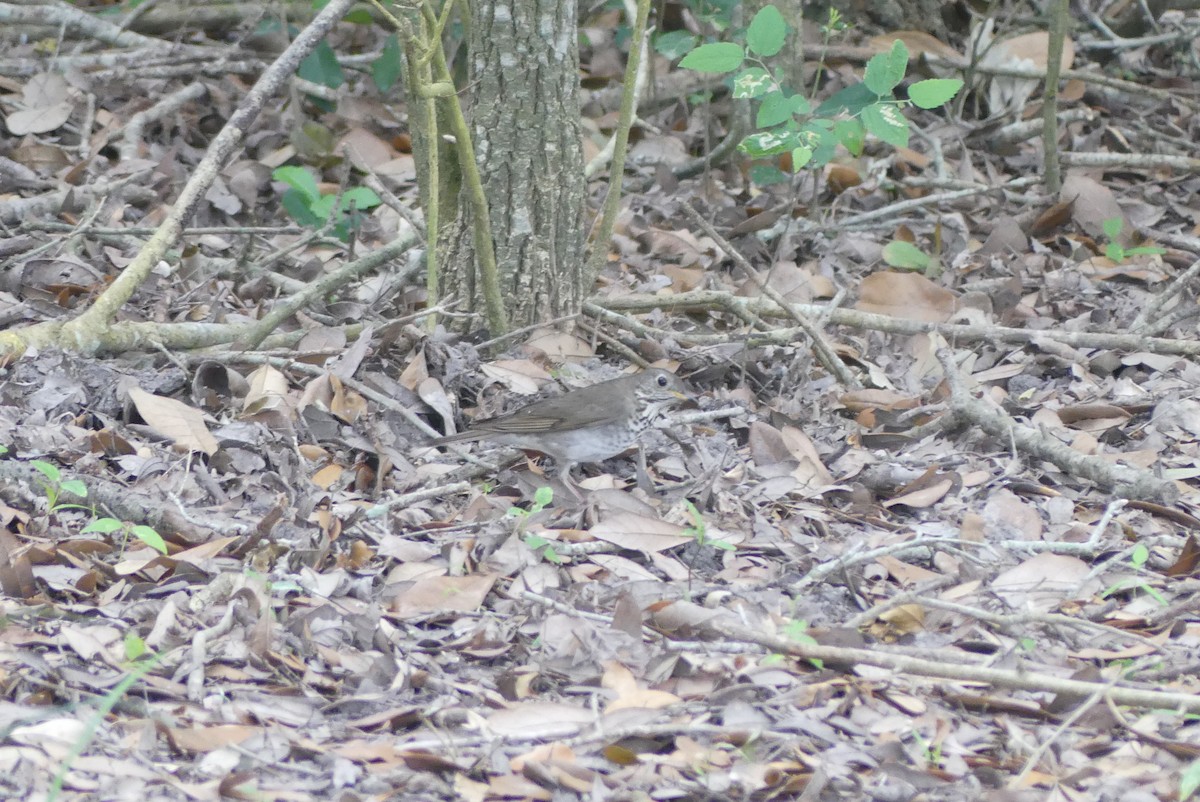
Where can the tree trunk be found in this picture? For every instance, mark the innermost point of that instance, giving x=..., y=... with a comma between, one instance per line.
x=524, y=73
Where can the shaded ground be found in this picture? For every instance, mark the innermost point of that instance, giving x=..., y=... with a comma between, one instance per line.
x=345, y=613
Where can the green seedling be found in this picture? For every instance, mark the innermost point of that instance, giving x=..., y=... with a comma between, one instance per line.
x=137, y=670
x=146, y=534
x=1138, y=557
x=55, y=486
x=1117, y=252
x=906, y=256
x=786, y=121
x=305, y=203
x=797, y=632
x=699, y=531
x=536, y=543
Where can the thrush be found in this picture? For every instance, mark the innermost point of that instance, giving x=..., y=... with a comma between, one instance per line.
x=585, y=425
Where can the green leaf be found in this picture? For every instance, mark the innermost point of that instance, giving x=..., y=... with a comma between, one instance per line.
x=674, y=44
x=851, y=100
x=850, y=134
x=718, y=13
x=775, y=108
x=151, y=538
x=299, y=179
x=360, y=198
x=322, y=207
x=767, y=32
x=298, y=208
x=543, y=496
x=934, y=92
x=359, y=17
x=46, y=469
x=905, y=255
x=386, y=69
x=819, y=136
x=321, y=67
x=752, y=82
x=886, y=70
x=135, y=647
x=768, y=143
x=885, y=121
x=75, y=487
x=1156, y=595
x=105, y=526
x=764, y=175
x=714, y=57
x=1112, y=227
x=800, y=157
x=1139, y=555
x=1189, y=781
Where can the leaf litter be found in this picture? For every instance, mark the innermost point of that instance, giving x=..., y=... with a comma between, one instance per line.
x=331, y=619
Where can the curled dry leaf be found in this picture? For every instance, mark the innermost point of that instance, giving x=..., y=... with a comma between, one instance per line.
x=175, y=420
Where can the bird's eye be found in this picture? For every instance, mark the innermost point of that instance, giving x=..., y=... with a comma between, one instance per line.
x=662, y=380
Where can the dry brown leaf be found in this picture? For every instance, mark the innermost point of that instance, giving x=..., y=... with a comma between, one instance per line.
x=906, y=573
x=268, y=389
x=859, y=400
x=47, y=101
x=629, y=694
x=175, y=420
x=908, y=296
x=1092, y=204
x=559, y=346
x=546, y=718
x=443, y=594
x=918, y=43
x=16, y=574
x=366, y=151
x=905, y=619
x=1044, y=581
x=211, y=738
x=640, y=533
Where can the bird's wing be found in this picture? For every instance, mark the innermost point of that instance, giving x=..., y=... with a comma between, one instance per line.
x=551, y=414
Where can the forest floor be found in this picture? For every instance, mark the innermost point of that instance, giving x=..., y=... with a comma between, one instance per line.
x=961, y=565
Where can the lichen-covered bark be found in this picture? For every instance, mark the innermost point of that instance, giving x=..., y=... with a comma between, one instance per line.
x=524, y=80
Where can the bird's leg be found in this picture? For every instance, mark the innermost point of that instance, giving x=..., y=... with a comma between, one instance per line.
x=564, y=476
x=643, y=473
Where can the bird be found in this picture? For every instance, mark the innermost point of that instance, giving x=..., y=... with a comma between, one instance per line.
x=589, y=424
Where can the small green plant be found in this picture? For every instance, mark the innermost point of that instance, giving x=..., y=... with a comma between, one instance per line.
x=1189, y=781
x=542, y=498
x=906, y=256
x=146, y=534
x=543, y=547
x=932, y=754
x=796, y=631
x=1138, y=558
x=699, y=531
x=137, y=670
x=1117, y=252
x=786, y=120
x=54, y=487
x=305, y=203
